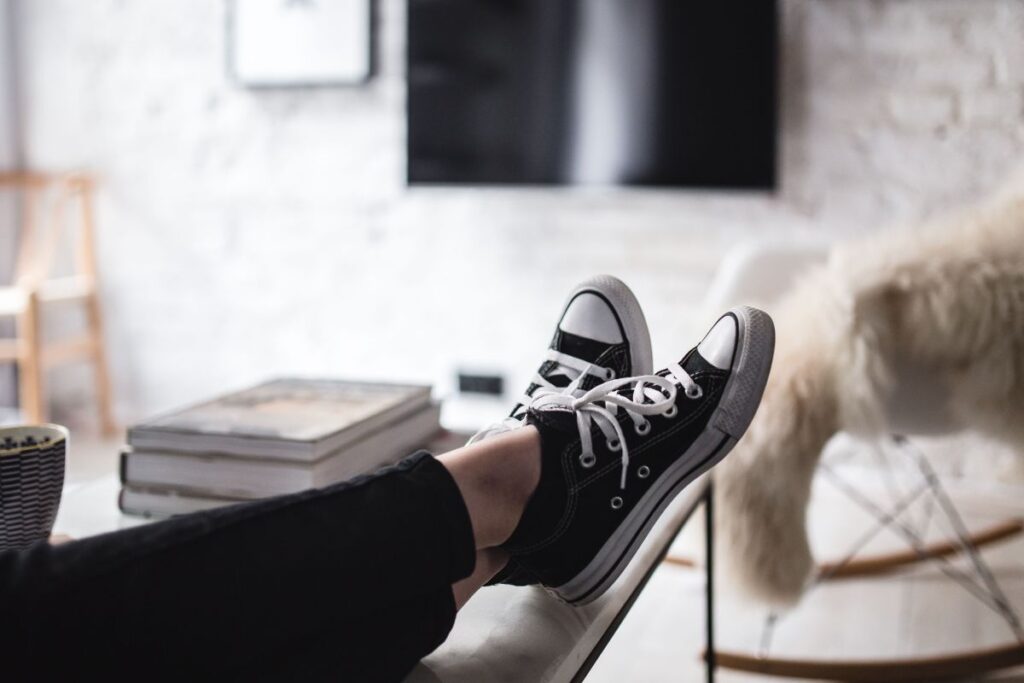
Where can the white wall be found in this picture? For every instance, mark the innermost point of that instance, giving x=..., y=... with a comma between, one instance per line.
x=246, y=233
x=9, y=158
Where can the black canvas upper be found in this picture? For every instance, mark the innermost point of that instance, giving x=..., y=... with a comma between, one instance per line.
x=570, y=516
x=618, y=357
x=600, y=354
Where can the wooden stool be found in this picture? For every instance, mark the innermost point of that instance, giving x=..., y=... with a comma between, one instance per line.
x=43, y=203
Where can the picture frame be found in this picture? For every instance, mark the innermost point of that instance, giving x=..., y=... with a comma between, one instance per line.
x=300, y=43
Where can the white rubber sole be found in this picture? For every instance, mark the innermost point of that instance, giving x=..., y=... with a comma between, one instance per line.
x=626, y=306
x=755, y=346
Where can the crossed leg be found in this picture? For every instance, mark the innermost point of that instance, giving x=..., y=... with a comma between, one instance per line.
x=496, y=478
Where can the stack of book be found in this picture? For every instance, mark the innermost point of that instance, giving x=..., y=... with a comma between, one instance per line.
x=279, y=437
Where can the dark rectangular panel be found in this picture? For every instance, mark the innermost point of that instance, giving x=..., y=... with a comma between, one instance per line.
x=631, y=92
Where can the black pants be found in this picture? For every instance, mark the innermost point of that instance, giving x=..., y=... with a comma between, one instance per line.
x=347, y=583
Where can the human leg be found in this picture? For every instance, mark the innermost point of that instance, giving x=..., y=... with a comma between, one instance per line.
x=210, y=590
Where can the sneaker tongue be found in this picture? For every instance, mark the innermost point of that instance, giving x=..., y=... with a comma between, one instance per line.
x=561, y=421
x=585, y=349
x=693, y=362
x=558, y=379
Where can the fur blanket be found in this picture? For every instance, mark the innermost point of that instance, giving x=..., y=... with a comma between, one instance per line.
x=949, y=296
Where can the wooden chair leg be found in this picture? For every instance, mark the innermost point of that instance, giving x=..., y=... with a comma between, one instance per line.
x=30, y=367
x=99, y=363
x=87, y=265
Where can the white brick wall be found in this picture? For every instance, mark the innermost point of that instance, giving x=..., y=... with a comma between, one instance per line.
x=928, y=110
x=992, y=107
x=8, y=215
x=248, y=233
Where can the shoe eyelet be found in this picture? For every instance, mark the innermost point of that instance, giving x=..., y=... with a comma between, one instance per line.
x=643, y=429
x=695, y=393
x=616, y=503
x=614, y=445
x=671, y=412
x=588, y=461
x=643, y=472
x=609, y=373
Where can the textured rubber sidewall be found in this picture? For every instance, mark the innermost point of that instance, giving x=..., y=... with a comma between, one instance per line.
x=742, y=395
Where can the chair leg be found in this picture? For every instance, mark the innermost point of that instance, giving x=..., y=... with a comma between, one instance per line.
x=99, y=362
x=30, y=367
x=87, y=265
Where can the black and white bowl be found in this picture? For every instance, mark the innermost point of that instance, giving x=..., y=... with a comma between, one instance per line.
x=31, y=480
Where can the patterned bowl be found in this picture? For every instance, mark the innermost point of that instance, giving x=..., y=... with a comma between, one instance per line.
x=31, y=480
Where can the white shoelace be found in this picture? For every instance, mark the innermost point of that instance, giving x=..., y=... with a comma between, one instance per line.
x=652, y=395
x=575, y=369
x=569, y=366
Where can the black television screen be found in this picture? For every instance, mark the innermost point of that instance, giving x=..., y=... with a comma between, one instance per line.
x=676, y=93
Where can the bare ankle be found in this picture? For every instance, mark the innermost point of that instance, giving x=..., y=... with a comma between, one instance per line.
x=496, y=478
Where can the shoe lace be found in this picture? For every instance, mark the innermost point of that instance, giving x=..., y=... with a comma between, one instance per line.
x=651, y=395
x=571, y=367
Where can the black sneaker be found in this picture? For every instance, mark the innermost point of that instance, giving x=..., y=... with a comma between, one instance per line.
x=601, y=335
x=614, y=457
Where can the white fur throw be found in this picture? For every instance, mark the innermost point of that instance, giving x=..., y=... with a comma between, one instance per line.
x=949, y=297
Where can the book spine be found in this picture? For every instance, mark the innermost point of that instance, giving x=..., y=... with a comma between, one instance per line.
x=253, y=478
x=166, y=502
